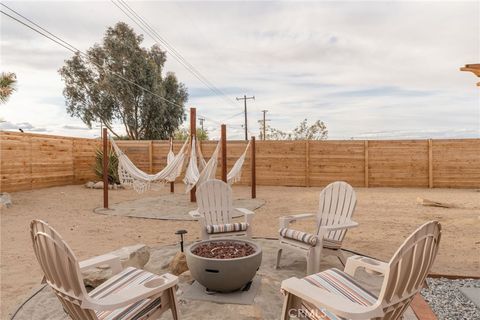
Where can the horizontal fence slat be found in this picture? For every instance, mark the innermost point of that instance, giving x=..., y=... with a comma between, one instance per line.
x=31, y=161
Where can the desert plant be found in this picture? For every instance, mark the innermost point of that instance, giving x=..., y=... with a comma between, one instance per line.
x=8, y=82
x=112, y=166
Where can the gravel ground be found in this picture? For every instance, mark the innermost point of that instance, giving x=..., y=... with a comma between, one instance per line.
x=448, y=302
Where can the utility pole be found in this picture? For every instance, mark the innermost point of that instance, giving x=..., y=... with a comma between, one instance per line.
x=245, y=98
x=201, y=119
x=264, y=124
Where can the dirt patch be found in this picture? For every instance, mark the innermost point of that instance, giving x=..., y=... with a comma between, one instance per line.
x=386, y=216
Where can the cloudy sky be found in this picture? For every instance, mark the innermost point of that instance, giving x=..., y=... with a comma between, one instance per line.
x=367, y=69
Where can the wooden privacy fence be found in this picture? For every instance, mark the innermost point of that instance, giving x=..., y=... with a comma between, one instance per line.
x=31, y=161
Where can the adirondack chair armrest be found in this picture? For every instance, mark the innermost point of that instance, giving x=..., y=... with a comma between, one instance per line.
x=323, y=299
x=369, y=264
x=286, y=220
x=245, y=211
x=107, y=259
x=346, y=225
x=134, y=294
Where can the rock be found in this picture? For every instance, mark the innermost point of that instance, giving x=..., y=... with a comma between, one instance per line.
x=5, y=200
x=98, y=185
x=96, y=276
x=89, y=184
x=178, y=265
x=133, y=256
x=186, y=277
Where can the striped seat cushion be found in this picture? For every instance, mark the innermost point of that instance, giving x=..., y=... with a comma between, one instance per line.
x=309, y=238
x=120, y=283
x=339, y=283
x=298, y=235
x=227, y=227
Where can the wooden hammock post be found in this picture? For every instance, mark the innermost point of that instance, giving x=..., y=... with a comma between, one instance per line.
x=172, y=184
x=224, y=152
x=193, y=131
x=105, y=168
x=253, y=169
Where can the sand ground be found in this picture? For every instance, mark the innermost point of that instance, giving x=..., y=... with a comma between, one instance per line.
x=386, y=217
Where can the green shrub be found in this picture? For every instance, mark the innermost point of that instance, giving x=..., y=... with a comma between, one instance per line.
x=112, y=166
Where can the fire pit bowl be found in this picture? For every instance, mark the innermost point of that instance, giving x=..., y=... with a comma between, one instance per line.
x=224, y=265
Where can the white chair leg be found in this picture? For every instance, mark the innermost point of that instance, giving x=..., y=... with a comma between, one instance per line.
x=287, y=305
x=311, y=262
x=173, y=303
x=279, y=256
x=249, y=232
x=341, y=257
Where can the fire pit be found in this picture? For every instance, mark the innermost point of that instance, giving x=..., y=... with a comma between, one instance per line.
x=224, y=265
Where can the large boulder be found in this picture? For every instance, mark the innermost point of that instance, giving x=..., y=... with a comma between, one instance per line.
x=178, y=265
x=132, y=256
x=98, y=185
x=90, y=184
x=5, y=200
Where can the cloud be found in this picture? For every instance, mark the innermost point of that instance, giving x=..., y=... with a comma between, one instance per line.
x=70, y=127
x=359, y=66
x=25, y=126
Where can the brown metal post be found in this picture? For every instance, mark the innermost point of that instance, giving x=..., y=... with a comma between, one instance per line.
x=224, y=152
x=193, y=131
x=172, y=184
x=105, y=169
x=253, y=169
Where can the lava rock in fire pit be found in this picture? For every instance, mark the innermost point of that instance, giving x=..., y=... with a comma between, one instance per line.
x=224, y=250
x=224, y=265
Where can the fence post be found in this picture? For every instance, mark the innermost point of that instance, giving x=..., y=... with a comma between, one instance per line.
x=307, y=163
x=105, y=169
x=224, y=151
x=430, y=163
x=172, y=184
x=253, y=169
x=193, y=133
x=366, y=163
x=150, y=155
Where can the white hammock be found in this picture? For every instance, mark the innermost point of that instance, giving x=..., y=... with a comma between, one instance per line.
x=235, y=173
x=192, y=175
x=130, y=175
x=171, y=158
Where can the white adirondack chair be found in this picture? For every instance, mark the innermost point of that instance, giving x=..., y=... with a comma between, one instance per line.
x=333, y=294
x=130, y=294
x=333, y=219
x=215, y=208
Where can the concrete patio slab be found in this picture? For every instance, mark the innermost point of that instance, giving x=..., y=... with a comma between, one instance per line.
x=267, y=303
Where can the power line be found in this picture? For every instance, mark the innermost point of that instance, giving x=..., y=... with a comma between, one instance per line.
x=147, y=28
x=47, y=34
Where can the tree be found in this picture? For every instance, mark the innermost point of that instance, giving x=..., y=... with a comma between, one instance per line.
x=183, y=134
x=8, y=82
x=316, y=131
x=94, y=92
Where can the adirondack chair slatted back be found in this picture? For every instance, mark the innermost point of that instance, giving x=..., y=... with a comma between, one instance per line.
x=409, y=268
x=61, y=269
x=337, y=204
x=214, y=198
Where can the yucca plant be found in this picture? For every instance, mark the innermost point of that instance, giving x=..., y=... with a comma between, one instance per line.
x=112, y=166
